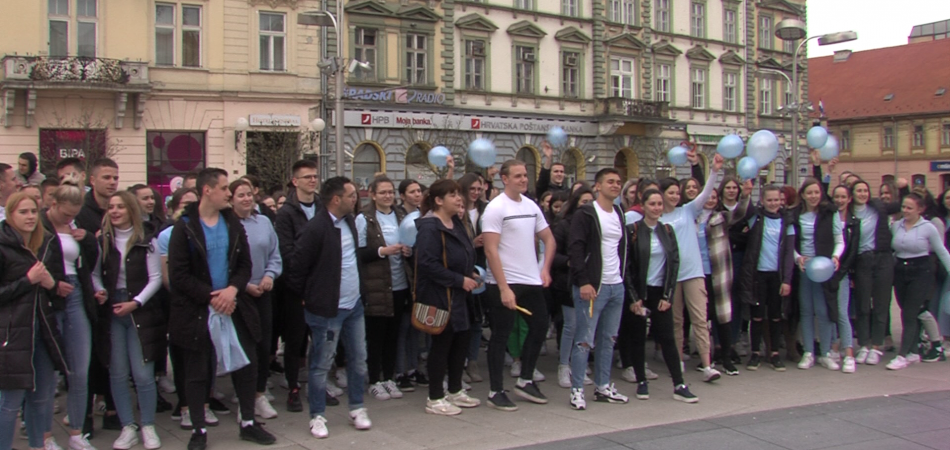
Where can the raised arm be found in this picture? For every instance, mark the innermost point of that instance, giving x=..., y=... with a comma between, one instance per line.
x=696, y=206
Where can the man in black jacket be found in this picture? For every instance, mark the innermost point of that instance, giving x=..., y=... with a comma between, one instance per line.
x=299, y=208
x=210, y=265
x=551, y=178
x=597, y=248
x=104, y=177
x=326, y=273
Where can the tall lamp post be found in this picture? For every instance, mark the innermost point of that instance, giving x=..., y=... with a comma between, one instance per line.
x=793, y=30
x=326, y=18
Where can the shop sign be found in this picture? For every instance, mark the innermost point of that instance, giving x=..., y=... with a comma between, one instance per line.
x=274, y=120
x=494, y=124
x=940, y=166
x=60, y=144
x=402, y=96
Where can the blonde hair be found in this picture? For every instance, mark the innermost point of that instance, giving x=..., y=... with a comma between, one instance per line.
x=135, y=215
x=36, y=237
x=68, y=192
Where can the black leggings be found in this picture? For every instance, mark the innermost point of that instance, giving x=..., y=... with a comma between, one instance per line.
x=503, y=321
x=633, y=337
x=265, y=309
x=767, y=288
x=447, y=355
x=723, y=330
x=913, y=286
x=295, y=340
x=382, y=337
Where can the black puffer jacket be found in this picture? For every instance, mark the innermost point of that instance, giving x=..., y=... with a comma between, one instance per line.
x=289, y=225
x=638, y=262
x=378, y=279
x=22, y=305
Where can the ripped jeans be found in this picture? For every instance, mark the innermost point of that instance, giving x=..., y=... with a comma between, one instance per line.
x=596, y=331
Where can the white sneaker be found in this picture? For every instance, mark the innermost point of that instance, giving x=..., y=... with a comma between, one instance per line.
x=544, y=349
x=710, y=374
x=379, y=391
x=874, y=357
x=127, y=439
x=263, y=408
x=829, y=363
x=589, y=371
x=849, y=365
x=100, y=408
x=186, y=420
x=150, y=437
x=588, y=381
x=80, y=442
x=235, y=400
x=538, y=376
x=360, y=419
x=835, y=356
x=341, y=378
x=913, y=358
x=462, y=400
x=515, y=369
x=629, y=375
x=333, y=390
x=210, y=418
x=392, y=389
x=50, y=444
x=166, y=385
x=577, y=399
x=442, y=407
x=651, y=375
x=564, y=376
x=508, y=360
x=898, y=363
x=808, y=360
x=270, y=397
x=862, y=356
x=318, y=427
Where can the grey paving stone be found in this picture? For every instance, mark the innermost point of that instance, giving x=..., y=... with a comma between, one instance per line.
x=721, y=439
x=860, y=404
x=892, y=443
x=899, y=420
x=584, y=443
x=811, y=432
x=628, y=437
x=939, y=439
x=762, y=417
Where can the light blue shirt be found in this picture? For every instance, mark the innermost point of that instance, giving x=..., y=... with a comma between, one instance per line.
x=216, y=244
x=655, y=273
x=349, y=274
x=704, y=245
x=163, y=238
x=390, y=228
x=868, y=217
x=771, y=235
x=683, y=221
x=309, y=211
x=265, y=254
x=807, y=223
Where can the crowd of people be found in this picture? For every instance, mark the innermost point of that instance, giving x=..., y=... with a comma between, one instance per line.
x=104, y=291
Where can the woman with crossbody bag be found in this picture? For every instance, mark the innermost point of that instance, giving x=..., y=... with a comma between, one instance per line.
x=444, y=274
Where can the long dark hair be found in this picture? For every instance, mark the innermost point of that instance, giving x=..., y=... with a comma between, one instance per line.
x=465, y=183
x=439, y=189
x=685, y=182
x=572, y=203
x=941, y=208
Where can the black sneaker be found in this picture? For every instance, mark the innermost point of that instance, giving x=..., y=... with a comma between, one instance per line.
x=217, y=406
x=683, y=394
x=734, y=356
x=331, y=400
x=111, y=422
x=176, y=413
x=162, y=405
x=609, y=395
x=501, y=402
x=257, y=434
x=531, y=393
x=729, y=368
x=198, y=441
x=934, y=354
x=293, y=401
x=643, y=392
x=404, y=383
x=419, y=378
x=754, y=362
x=777, y=364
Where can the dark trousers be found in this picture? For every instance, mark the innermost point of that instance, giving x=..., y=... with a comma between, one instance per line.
x=98, y=384
x=295, y=340
x=382, y=338
x=913, y=285
x=265, y=308
x=198, y=380
x=873, y=279
x=633, y=337
x=767, y=286
x=721, y=331
x=503, y=321
x=447, y=355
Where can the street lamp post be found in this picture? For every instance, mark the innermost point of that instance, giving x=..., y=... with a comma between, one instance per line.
x=793, y=30
x=317, y=18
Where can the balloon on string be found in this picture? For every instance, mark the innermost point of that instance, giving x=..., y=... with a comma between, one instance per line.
x=730, y=146
x=480, y=280
x=482, y=152
x=763, y=147
x=557, y=137
x=829, y=151
x=819, y=269
x=407, y=229
x=677, y=155
x=439, y=156
x=747, y=168
x=816, y=137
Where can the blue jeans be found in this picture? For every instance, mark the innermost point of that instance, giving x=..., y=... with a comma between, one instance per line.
x=77, y=334
x=326, y=333
x=844, y=318
x=812, y=301
x=38, y=413
x=475, y=341
x=567, y=336
x=598, y=332
x=127, y=359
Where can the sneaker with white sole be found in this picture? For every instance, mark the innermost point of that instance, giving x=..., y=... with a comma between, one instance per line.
x=681, y=393
x=515, y=369
x=651, y=375
x=609, y=394
x=318, y=427
x=462, y=400
x=50, y=444
x=874, y=357
x=710, y=374
x=263, y=408
x=643, y=391
x=340, y=376
x=379, y=391
x=898, y=363
x=360, y=419
x=564, y=375
x=166, y=385
x=150, y=438
x=333, y=389
x=848, y=365
x=835, y=356
x=186, y=420
x=829, y=363
x=128, y=438
x=862, y=355
x=538, y=376
x=808, y=360
x=913, y=358
x=211, y=419
x=588, y=381
x=577, y=399
x=629, y=375
x=270, y=397
x=80, y=442
x=442, y=407
x=392, y=389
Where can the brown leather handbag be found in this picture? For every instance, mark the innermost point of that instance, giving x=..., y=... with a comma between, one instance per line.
x=426, y=318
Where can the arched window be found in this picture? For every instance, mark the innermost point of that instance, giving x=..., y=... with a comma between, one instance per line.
x=530, y=158
x=573, y=161
x=366, y=164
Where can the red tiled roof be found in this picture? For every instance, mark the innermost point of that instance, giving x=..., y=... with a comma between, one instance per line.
x=856, y=88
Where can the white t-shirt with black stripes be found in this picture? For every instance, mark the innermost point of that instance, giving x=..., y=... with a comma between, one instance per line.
x=518, y=223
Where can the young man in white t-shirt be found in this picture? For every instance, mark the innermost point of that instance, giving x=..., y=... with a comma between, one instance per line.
x=511, y=224
x=597, y=248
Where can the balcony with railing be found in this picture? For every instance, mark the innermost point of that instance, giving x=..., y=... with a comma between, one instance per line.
x=634, y=109
x=39, y=72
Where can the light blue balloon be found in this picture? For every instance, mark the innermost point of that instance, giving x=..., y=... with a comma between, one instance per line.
x=480, y=280
x=829, y=151
x=763, y=147
x=557, y=137
x=730, y=146
x=439, y=156
x=482, y=152
x=820, y=269
x=816, y=137
x=747, y=168
x=677, y=155
x=407, y=229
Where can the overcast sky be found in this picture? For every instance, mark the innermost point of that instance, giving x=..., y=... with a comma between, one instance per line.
x=879, y=23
